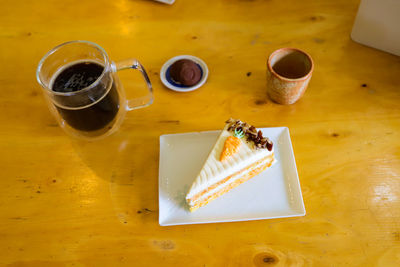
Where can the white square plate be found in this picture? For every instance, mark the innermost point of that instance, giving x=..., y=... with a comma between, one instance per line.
x=274, y=193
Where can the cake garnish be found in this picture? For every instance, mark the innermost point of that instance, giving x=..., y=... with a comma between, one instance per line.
x=232, y=144
x=238, y=133
x=251, y=134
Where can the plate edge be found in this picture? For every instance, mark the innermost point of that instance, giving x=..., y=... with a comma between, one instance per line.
x=238, y=220
x=303, y=209
x=218, y=131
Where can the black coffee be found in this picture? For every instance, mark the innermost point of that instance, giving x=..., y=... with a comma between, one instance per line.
x=96, y=116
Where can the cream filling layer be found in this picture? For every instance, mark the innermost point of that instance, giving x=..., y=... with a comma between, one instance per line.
x=234, y=178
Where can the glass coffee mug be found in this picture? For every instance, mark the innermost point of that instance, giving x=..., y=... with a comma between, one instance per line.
x=83, y=90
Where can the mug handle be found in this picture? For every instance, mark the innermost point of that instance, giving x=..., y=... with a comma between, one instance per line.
x=139, y=102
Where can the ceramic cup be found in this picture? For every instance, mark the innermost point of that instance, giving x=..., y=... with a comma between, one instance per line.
x=289, y=71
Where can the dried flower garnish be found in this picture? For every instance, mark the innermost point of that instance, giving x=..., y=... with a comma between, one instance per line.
x=251, y=133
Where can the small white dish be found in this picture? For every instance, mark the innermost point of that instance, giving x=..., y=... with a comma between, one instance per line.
x=170, y=2
x=171, y=84
x=274, y=193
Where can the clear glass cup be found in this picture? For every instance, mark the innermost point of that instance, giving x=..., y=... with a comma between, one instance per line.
x=99, y=107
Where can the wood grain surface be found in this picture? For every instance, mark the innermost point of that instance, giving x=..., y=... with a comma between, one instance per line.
x=65, y=202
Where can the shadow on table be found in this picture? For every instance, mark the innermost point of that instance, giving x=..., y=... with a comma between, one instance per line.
x=130, y=166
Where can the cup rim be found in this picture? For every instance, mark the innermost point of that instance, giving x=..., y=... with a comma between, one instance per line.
x=87, y=88
x=305, y=77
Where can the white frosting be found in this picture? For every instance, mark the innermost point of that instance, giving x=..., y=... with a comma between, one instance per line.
x=233, y=179
x=214, y=170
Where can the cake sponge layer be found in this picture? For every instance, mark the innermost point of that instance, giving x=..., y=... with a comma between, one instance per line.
x=229, y=183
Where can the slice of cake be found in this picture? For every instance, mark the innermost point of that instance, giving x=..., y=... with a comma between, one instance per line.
x=240, y=153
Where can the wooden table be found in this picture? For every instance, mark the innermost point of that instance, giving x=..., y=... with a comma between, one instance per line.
x=71, y=203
